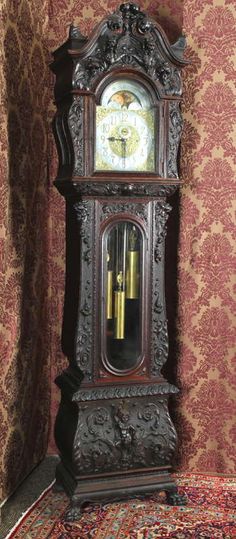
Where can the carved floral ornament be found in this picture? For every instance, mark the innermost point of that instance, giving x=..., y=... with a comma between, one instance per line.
x=128, y=38
x=124, y=434
x=125, y=189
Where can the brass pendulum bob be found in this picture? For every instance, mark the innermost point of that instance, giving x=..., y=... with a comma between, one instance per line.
x=132, y=277
x=119, y=331
x=109, y=290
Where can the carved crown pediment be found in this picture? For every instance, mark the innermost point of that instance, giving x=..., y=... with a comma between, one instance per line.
x=129, y=38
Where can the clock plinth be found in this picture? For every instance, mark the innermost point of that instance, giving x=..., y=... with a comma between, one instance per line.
x=123, y=441
x=118, y=129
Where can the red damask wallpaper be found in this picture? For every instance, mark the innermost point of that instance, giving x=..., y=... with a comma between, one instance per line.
x=32, y=231
x=25, y=242
x=206, y=321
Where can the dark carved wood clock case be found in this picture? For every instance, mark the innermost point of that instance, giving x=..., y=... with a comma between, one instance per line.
x=117, y=127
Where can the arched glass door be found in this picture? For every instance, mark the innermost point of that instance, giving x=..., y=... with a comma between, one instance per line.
x=123, y=250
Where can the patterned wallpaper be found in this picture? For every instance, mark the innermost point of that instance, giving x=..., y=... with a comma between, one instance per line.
x=32, y=231
x=206, y=322
x=24, y=242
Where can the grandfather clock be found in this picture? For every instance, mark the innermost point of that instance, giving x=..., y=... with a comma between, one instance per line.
x=117, y=127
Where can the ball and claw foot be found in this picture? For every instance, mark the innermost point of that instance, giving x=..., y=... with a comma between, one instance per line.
x=73, y=513
x=174, y=498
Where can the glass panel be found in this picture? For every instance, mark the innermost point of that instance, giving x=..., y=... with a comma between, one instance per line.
x=123, y=254
x=125, y=128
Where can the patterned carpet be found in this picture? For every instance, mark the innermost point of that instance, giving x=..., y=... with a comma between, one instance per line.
x=209, y=514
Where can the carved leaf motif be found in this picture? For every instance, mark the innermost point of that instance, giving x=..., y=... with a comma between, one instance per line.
x=159, y=322
x=86, y=309
x=162, y=211
x=99, y=422
x=175, y=130
x=158, y=305
x=111, y=188
x=139, y=210
x=84, y=212
x=160, y=345
x=75, y=122
x=151, y=413
x=129, y=37
x=169, y=78
x=124, y=435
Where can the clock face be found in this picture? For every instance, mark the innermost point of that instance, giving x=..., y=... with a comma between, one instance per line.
x=125, y=129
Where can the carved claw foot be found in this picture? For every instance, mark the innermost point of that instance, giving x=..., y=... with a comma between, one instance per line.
x=73, y=513
x=174, y=498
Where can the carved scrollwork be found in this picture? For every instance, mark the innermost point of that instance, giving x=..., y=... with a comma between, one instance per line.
x=151, y=413
x=93, y=443
x=138, y=209
x=175, y=130
x=99, y=420
x=75, y=33
x=123, y=189
x=130, y=38
x=169, y=77
x=162, y=210
x=160, y=331
x=160, y=345
x=84, y=212
x=160, y=70
x=75, y=122
x=124, y=435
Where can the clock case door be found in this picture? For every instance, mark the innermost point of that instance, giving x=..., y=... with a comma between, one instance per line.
x=113, y=427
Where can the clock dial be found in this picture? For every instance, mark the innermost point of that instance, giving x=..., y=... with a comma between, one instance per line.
x=125, y=129
x=124, y=140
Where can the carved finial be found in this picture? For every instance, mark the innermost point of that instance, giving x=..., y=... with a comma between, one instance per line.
x=179, y=46
x=75, y=33
x=133, y=17
x=129, y=37
x=129, y=9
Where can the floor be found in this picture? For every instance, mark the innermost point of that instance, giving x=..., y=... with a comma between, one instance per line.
x=26, y=494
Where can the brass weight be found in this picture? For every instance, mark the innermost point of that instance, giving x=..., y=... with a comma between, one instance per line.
x=132, y=277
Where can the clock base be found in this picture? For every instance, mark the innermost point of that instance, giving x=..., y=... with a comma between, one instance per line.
x=114, y=487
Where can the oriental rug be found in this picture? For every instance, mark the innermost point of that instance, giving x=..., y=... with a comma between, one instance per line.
x=210, y=513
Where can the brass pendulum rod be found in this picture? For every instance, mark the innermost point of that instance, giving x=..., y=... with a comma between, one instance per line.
x=124, y=252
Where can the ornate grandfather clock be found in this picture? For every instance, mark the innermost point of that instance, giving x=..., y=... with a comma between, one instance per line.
x=118, y=126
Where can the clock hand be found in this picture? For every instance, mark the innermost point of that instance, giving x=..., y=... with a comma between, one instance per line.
x=123, y=143
x=114, y=139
